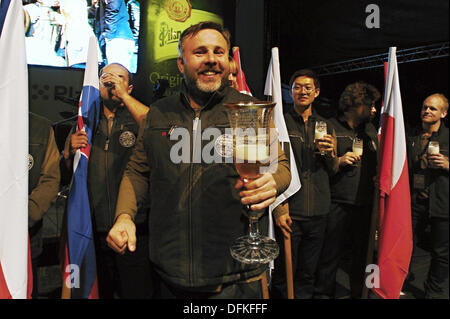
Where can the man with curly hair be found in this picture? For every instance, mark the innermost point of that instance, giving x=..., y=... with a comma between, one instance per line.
x=352, y=189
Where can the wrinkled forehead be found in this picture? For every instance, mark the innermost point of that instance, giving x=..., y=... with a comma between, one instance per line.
x=206, y=37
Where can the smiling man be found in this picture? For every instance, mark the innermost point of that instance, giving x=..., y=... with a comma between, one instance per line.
x=308, y=207
x=196, y=207
x=430, y=191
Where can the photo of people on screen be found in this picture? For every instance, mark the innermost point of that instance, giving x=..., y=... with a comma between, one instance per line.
x=58, y=31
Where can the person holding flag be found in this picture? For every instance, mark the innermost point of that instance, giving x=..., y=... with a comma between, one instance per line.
x=128, y=275
x=429, y=169
x=352, y=188
x=308, y=207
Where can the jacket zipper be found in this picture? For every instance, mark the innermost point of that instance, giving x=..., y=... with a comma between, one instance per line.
x=106, y=149
x=308, y=166
x=191, y=168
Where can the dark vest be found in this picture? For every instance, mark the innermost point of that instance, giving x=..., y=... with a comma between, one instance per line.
x=435, y=179
x=108, y=158
x=313, y=198
x=195, y=211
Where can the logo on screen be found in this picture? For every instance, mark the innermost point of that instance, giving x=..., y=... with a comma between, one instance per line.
x=178, y=10
x=40, y=92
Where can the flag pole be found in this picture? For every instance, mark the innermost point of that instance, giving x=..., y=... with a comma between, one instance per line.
x=372, y=235
x=287, y=250
x=288, y=261
x=375, y=212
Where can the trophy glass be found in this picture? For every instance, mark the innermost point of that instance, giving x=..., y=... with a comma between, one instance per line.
x=250, y=122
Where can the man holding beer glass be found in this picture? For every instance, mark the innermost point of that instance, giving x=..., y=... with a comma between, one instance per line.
x=197, y=206
x=429, y=165
x=313, y=147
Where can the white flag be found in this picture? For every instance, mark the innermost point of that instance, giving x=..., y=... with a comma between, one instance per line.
x=273, y=88
x=14, y=152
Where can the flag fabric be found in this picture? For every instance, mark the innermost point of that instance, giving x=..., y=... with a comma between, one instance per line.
x=395, y=230
x=80, y=269
x=14, y=242
x=240, y=78
x=273, y=88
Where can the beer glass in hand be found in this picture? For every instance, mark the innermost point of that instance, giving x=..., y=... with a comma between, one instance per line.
x=357, y=148
x=433, y=149
x=251, y=148
x=320, y=132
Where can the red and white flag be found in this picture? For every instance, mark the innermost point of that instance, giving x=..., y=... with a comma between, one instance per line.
x=395, y=230
x=14, y=247
x=240, y=78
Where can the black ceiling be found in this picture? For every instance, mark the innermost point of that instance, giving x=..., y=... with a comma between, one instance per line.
x=312, y=33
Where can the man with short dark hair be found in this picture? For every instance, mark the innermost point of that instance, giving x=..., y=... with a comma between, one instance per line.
x=127, y=276
x=352, y=188
x=308, y=207
x=196, y=207
x=429, y=169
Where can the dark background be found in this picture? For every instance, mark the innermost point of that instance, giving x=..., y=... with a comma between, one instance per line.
x=310, y=34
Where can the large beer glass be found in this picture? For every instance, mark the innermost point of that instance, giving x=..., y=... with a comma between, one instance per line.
x=250, y=122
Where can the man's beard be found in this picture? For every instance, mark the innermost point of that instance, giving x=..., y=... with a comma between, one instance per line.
x=200, y=91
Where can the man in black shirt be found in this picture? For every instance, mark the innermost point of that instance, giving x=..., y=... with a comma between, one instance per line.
x=352, y=189
x=128, y=275
x=308, y=208
x=430, y=190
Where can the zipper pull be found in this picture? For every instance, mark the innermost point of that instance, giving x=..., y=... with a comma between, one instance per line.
x=106, y=145
x=196, y=142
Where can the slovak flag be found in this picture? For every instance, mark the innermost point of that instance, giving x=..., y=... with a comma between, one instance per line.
x=240, y=78
x=395, y=230
x=80, y=273
x=15, y=266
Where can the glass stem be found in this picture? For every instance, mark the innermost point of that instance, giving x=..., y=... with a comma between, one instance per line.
x=254, y=230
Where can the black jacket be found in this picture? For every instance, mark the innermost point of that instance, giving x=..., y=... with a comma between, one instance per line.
x=354, y=184
x=107, y=163
x=435, y=179
x=313, y=198
x=195, y=211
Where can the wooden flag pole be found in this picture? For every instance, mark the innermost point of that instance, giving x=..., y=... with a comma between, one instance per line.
x=372, y=234
x=288, y=261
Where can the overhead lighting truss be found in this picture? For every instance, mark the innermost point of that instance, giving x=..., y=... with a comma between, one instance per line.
x=433, y=51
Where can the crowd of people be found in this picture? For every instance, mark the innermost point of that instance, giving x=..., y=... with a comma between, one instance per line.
x=163, y=229
x=58, y=31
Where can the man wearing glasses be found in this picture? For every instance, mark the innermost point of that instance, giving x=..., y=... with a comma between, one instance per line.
x=308, y=208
